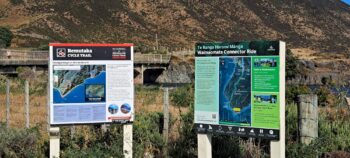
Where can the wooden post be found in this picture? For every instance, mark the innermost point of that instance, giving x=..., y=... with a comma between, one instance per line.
x=54, y=142
x=127, y=140
x=104, y=128
x=307, y=118
x=72, y=131
x=204, y=145
x=26, y=89
x=8, y=82
x=157, y=47
x=48, y=104
x=278, y=147
x=166, y=121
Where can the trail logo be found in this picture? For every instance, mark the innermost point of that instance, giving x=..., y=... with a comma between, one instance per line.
x=271, y=49
x=61, y=52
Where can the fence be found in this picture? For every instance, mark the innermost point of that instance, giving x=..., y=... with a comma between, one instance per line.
x=20, y=108
x=23, y=55
x=151, y=58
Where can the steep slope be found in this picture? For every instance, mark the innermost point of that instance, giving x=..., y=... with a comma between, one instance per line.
x=316, y=24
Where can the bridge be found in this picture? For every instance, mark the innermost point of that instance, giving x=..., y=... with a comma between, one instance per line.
x=147, y=67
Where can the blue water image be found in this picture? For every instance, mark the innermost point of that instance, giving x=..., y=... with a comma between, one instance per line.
x=113, y=108
x=234, y=90
x=77, y=94
x=125, y=108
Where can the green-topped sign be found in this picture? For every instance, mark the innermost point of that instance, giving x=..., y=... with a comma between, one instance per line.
x=239, y=88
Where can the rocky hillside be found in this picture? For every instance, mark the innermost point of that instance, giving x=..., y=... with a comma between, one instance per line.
x=316, y=24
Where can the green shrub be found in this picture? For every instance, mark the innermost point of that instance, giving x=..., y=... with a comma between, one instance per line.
x=183, y=96
x=43, y=47
x=90, y=141
x=21, y=142
x=5, y=37
x=16, y=2
x=325, y=96
x=291, y=65
x=333, y=134
x=292, y=92
x=186, y=145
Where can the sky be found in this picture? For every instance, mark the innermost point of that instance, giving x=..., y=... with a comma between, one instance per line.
x=346, y=1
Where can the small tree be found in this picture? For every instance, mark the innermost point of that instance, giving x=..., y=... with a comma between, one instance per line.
x=291, y=65
x=5, y=37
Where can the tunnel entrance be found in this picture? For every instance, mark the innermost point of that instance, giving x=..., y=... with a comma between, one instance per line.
x=150, y=75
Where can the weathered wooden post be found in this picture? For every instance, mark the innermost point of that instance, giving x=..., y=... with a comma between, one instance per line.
x=127, y=140
x=54, y=142
x=8, y=103
x=26, y=89
x=48, y=105
x=166, y=121
x=204, y=145
x=307, y=118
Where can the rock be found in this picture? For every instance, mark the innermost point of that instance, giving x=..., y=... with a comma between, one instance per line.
x=178, y=72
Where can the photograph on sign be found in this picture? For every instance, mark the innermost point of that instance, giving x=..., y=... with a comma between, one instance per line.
x=237, y=88
x=91, y=83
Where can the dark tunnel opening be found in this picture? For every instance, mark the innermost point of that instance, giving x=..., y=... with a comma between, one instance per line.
x=150, y=75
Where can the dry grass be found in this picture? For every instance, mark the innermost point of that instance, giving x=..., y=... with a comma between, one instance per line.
x=37, y=111
x=145, y=101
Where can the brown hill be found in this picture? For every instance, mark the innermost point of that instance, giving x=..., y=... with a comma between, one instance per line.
x=316, y=24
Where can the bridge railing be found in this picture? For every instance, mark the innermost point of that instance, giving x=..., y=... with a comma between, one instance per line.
x=151, y=58
x=23, y=55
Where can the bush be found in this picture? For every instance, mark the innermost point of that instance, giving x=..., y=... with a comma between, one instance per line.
x=16, y=2
x=291, y=65
x=183, y=96
x=325, y=97
x=90, y=141
x=5, y=37
x=43, y=47
x=333, y=134
x=21, y=143
x=292, y=92
x=186, y=145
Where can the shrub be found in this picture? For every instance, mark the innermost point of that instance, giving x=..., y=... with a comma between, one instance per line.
x=291, y=65
x=5, y=37
x=183, y=96
x=21, y=142
x=16, y=2
x=292, y=92
x=325, y=96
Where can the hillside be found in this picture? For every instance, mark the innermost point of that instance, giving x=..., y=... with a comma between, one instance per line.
x=316, y=24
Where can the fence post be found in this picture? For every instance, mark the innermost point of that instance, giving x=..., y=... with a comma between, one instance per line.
x=307, y=118
x=48, y=103
x=26, y=89
x=54, y=142
x=204, y=145
x=127, y=140
x=166, y=121
x=8, y=82
x=72, y=131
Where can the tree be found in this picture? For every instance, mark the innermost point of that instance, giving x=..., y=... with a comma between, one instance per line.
x=5, y=37
x=291, y=65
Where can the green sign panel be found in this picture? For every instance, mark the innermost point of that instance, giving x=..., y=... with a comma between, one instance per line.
x=238, y=88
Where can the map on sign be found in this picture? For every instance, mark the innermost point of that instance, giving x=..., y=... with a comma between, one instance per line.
x=235, y=90
x=86, y=83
